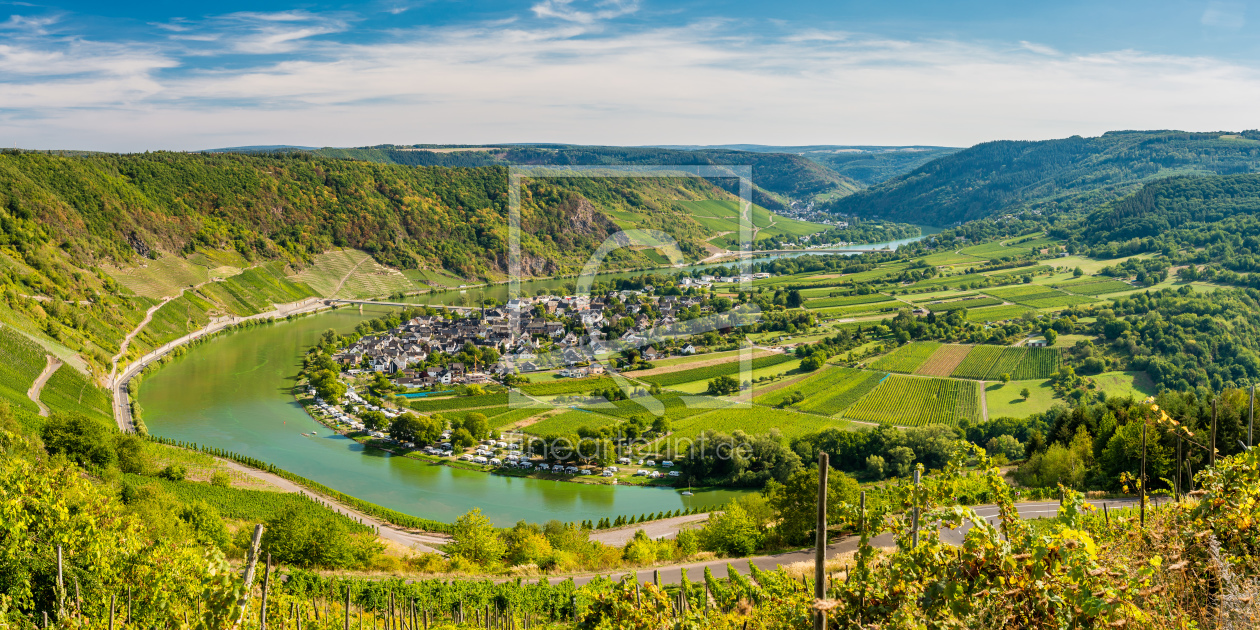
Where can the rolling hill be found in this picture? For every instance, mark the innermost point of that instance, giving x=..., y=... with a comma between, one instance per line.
x=1070, y=174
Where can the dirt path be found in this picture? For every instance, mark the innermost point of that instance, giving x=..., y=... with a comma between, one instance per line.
x=33, y=393
x=984, y=401
x=664, y=528
x=337, y=290
x=419, y=541
x=126, y=342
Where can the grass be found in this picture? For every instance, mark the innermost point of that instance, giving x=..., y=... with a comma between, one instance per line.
x=1005, y=400
x=1097, y=287
x=240, y=504
x=710, y=372
x=702, y=385
x=568, y=386
x=364, y=277
x=847, y=300
x=913, y=401
x=907, y=358
x=1137, y=385
x=945, y=307
x=994, y=250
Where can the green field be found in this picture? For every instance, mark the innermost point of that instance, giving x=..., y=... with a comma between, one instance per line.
x=169, y=275
x=997, y=313
x=255, y=506
x=1005, y=401
x=357, y=275
x=21, y=361
x=1038, y=363
x=425, y=405
x=847, y=300
x=753, y=421
x=913, y=401
x=1006, y=363
x=1038, y=296
x=710, y=372
x=907, y=358
x=1125, y=384
x=568, y=386
x=842, y=393
x=994, y=250
x=569, y=422
x=1096, y=287
x=945, y=307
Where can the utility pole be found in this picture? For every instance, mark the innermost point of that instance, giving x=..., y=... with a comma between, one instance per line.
x=820, y=543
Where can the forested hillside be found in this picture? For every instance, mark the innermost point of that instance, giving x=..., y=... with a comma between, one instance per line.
x=777, y=177
x=1049, y=176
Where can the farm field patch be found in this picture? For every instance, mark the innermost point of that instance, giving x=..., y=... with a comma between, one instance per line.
x=945, y=307
x=914, y=401
x=1004, y=400
x=977, y=363
x=907, y=358
x=944, y=361
x=997, y=313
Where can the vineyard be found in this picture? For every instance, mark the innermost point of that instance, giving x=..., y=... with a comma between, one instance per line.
x=458, y=402
x=571, y=386
x=842, y=394
x=945, y=307
x=944, y=361
x=1038, y=363
x=674, y=404
x=996, y=313
x=569, y=422
x=21, y=361
x=70, y=391
x=1037, y=296
x=512, y=416
x=907, y=358
x=754, y=420
x=1006, y=363
x=713, y=371
x=978, y=362
x=847, y=300
x=241, y=504
x=1096, y=287
x=911, y=401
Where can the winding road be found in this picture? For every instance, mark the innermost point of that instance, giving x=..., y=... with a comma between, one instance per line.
x=33, y=393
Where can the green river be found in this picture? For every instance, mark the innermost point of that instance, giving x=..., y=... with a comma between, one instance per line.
x=234, y=393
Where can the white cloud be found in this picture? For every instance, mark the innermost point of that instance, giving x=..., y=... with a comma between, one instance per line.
x=705, y=83
x=602, y=10
x=1226, y=15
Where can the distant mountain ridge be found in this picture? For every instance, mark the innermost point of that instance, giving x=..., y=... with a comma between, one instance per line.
x=1074, y=173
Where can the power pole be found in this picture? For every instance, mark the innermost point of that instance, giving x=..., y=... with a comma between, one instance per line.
x=820, y=543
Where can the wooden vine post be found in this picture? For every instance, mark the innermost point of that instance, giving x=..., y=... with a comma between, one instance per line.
x=250, y=564
x=820, y=543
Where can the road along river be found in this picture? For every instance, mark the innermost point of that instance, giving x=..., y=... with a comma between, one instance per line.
x=234, y=393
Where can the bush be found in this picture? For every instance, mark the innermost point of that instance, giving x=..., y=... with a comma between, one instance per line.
x=174, y=472
x=220, y=479
x=731, y=532
x=81, y=439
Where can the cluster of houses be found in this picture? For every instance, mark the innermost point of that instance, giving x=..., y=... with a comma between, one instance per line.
x=530, y=334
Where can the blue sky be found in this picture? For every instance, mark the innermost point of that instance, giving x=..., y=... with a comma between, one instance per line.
x=161, y=75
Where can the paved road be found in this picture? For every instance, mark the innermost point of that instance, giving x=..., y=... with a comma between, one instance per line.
x=695, y=571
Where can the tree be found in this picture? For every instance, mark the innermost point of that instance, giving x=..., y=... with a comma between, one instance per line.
x=417, y=430
x=476, y=424
x=328, y=386
x=794, y=299
x=1005, y=378
x=875, y=467
x=81, y=439
x=293, y=537
x=660, y=425
x=207, y=525
x=723, y=385
x=814, y=361
x=132, y=456
x=1078, y=272
x=731, y=532
x=461, y=438
x=374, y=420
x=899, y=460
x=1051, y=336
x=474, y=538
x=1025, y=393
x=795, y=502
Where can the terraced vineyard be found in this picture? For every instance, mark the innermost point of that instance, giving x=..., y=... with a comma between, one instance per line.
x=21, y=361
x=912, y=401
x=167, y=275
x=907, y=358
x=1038, y=363
x=1006, y=363
x=978, y=362
x=709, y=371
x=363, y=276
x=944, y=361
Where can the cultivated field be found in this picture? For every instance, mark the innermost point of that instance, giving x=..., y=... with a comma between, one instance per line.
x=364, y=277
x=913, y=401
x=944, y=361
x=907, y=358
x=21, y=361
x=978, y=362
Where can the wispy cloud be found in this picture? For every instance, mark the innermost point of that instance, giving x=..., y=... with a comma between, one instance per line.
x=569, y=10
x=1225, y=15
x=567, y=79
